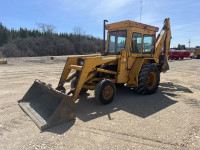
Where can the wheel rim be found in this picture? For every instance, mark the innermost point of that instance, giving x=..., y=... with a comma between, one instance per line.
x=151, y=80
x=107, y=92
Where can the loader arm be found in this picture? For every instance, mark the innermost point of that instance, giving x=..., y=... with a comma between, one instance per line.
x=163, y=41
x=90, y=65
x=70, y=61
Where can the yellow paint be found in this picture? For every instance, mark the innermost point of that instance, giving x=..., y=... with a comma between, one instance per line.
x=197, y=52
x=3, y=61
x=135, y=69
x=127, y=63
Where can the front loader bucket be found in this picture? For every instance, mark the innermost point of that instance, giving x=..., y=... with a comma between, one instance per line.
x=46, y=106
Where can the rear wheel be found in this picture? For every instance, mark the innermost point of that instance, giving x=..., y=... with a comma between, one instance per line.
x=148, y=79
x=105, y=91
x=73, y=85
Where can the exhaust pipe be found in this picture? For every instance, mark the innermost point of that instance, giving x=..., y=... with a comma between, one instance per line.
x=104, y=35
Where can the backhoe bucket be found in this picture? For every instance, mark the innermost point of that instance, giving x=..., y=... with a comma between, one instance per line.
x=46, y=106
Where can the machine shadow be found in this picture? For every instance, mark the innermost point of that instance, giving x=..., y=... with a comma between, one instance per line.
x=126, y=100
x=171, y=87
x=173, y=60
x=61, y=128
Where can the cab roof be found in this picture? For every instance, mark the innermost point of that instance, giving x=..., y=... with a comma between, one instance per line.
x=128, y=23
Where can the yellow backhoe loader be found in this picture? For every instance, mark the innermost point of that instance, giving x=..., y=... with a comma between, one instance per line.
x=3, y=61
x=132, y=58
x=197, y=53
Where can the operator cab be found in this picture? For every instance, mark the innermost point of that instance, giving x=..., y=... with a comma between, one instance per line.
x=128, y=35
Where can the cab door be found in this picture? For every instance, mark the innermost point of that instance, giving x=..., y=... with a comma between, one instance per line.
x=142, y=45
x=135, y=48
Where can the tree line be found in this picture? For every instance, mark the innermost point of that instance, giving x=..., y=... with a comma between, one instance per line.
x=45, y=42
x=183, y=47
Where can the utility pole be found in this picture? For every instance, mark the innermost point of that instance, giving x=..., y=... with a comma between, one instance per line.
x=189, y=43
x=141, y=1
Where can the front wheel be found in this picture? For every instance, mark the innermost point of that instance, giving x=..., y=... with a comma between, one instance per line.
x=148, y=79
x=105, y=91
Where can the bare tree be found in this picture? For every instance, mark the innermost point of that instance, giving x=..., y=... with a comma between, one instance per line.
x=46, y=28
x=77, y=30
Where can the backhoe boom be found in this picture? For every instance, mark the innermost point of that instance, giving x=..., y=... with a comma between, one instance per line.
x=163, y=41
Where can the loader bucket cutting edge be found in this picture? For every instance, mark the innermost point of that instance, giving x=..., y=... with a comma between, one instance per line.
x=46, y=106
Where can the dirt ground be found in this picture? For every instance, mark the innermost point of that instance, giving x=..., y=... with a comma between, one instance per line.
x=169, y=119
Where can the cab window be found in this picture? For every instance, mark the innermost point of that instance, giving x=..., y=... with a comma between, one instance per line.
x=148, y=44
x=136, y=42
x=117, y=41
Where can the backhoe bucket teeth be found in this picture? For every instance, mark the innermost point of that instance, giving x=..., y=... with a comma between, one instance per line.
x=46, y=106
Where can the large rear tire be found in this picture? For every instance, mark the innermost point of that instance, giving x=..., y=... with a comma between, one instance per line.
x=105, y=91
x=148, y=79
x=73, y=85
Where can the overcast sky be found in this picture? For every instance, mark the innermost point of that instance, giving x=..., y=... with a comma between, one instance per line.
x=89, y=15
